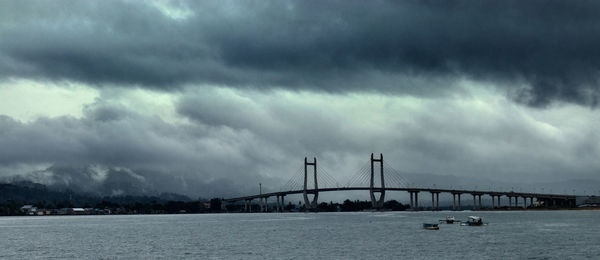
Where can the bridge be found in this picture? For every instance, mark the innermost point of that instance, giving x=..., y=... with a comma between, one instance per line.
x=377, y=190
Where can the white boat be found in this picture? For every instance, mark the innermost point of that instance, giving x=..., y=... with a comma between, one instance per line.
x=473, y=221
x=448, y=220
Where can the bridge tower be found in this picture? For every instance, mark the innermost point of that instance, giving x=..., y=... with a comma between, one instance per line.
x=372, y=190
x=310, y=204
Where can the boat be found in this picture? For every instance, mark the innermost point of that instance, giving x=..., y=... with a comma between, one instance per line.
x=473, y=221
x=429, y=226
x=448, y=220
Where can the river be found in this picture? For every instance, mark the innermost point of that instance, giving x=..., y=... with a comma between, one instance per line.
x=360, y=235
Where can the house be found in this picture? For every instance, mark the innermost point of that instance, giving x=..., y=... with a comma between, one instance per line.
x=29, y=209
x=77, y=211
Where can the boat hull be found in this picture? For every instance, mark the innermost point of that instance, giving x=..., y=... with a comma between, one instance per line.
x=431, y=226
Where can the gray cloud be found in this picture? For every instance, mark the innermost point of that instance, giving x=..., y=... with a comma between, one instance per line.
x=546, y=50
x=496, y=141
x=136, y=154
x=237, y=138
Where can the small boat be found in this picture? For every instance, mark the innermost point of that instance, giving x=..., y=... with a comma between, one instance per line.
x=473, y=221
x=448, y=220
x=429, y=226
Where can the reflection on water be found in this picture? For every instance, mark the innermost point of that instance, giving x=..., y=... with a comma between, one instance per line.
x=368, y=235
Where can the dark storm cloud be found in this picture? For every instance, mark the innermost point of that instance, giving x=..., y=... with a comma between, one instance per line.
x=546, y=48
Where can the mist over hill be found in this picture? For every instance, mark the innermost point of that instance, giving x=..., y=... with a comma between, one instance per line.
x=25, y=192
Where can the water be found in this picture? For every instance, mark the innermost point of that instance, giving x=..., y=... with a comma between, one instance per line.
x=365, y=235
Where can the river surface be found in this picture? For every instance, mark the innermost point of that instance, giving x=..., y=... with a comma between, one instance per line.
x=364, y=235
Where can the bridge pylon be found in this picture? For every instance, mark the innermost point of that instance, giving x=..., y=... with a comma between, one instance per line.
x=377, y=203
x=310, y=204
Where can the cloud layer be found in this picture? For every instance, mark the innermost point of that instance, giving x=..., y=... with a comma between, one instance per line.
x=227, y=140
x=540, y=50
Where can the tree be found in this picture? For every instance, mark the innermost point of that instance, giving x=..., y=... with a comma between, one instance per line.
x=215, y=204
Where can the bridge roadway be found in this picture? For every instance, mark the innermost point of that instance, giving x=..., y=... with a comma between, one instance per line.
x=549, y=199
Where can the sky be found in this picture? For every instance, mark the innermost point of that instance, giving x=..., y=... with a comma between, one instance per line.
x=210, y=98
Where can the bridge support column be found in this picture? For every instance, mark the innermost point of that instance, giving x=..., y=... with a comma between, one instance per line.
x=249, y=206
x=493, y=204
x=453, y=201
x=416, y=200
x=459, y=207
x=509, y=201
x=524, y=202
x=310, y=204
x=412, y=205
x=432, y=201
x=377, y=203
x=479, y=207
x=437, y=201
x=474, y=202
x=265, y=205
x=531, y=204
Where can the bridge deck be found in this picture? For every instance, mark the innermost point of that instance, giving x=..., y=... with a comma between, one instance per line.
x=453, y=191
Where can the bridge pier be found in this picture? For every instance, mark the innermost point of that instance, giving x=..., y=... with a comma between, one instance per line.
x=474, y=202
x=453, y=201
x=479, y=201
x=493, y=204
x=531, y=204
x=280, y=204
x=524, y=202
x=454, y=195
x=265, y=205
x=417, y=200
x=414, y=199
x=509, y=201
x=435, y=200
x=432, y=202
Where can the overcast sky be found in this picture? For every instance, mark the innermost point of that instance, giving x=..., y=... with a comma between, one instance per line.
x=209, y=98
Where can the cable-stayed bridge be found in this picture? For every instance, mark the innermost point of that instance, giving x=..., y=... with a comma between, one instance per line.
x=377, y=177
